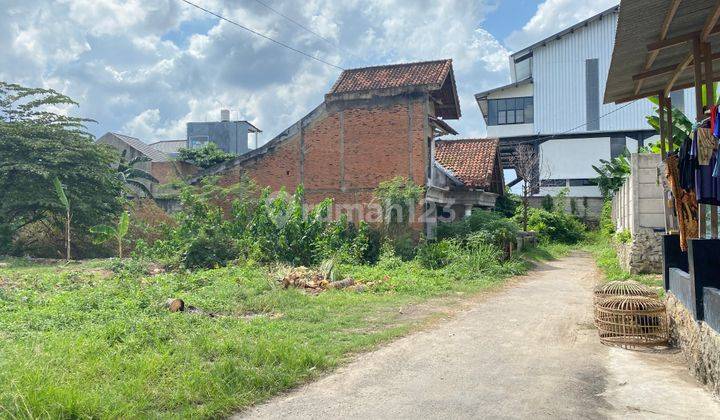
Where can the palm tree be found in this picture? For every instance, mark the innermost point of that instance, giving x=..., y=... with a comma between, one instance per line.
x=133, y=177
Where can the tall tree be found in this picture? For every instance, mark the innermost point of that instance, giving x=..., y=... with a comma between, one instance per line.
x=37, y=146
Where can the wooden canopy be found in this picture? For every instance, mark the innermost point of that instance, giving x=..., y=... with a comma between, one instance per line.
x=654, y=46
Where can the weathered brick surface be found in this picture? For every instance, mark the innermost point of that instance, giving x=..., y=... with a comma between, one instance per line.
x=348, y=153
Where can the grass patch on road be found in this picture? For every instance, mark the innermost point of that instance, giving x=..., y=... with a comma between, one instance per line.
x=80, y=340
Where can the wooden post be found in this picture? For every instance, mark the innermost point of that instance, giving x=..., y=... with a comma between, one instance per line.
x=710, y=100
x=661, y=121
x=697, y=59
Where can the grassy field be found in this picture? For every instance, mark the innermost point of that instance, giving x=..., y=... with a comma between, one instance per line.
x=601, y=247
x=84, y=340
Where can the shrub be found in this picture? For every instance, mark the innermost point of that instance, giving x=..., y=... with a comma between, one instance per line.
x=555, y=226
x=206, y=156
x=210, y=250
x=491, y=226
x=434, y=255
x=624, y=236
x=607, y=225
x=507, y=203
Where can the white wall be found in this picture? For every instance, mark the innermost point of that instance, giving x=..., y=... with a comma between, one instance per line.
x=639, y=202
x=572, y=158
x=512, y=130
x=559, y=79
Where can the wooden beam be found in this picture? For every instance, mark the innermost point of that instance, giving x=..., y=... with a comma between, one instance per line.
x=696, y=55
x=680, y=39
x=668, y=69
x=710, y=22
x=671, y=140
x=646, y=94
x=663, y=34
x=678, y=70
x=710, y=100
x=661, y=123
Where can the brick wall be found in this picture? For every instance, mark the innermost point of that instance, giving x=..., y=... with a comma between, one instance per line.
x=348, y=151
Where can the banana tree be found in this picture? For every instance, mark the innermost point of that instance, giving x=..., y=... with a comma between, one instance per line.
x=132, y=176
x=104, y=233
x=682, y=125
x=66, y=203
x=612, y=174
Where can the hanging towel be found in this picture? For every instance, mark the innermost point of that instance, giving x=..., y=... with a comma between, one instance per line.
x=716, y=171
x=714, y=120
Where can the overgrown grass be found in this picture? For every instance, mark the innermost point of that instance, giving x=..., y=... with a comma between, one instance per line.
x=601, y=247
x=77, y=341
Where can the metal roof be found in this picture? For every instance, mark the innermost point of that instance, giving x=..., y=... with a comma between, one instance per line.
x=566, y=31
x=640, y=23
x=169, y=146
x=142, y=147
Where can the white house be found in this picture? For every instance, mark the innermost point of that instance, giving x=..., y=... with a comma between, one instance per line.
x=554, y=102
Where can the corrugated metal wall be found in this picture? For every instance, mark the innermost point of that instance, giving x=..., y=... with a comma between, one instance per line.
x=560, y=86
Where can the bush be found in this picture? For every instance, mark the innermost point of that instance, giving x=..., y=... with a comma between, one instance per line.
x=265, y=229
x=554, y=226
x=434, y=255
x=491, y=226
x=210, y=250
x=607, y=225
x=624, y=236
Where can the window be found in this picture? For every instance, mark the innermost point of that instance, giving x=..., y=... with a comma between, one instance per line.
x=510, y=111
x=523, y=67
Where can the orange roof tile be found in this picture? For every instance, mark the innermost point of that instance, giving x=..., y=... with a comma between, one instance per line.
x=470, y=160
x=392, y=76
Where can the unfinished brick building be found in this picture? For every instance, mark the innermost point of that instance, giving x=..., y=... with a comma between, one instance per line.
x=376, y=123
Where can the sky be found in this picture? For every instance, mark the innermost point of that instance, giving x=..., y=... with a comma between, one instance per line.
x=146, y=67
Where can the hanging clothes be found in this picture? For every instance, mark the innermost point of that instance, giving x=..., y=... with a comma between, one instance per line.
x=707, y=187
x=706, y=145
x=686, y=165
x=686, y=207
x=714, y=120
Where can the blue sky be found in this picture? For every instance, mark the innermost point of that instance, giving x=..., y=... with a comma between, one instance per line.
x=146, y=67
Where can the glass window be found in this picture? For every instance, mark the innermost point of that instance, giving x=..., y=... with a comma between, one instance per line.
x=523, y=68
x=492, y=112
x=510, y=111
x=511, y=117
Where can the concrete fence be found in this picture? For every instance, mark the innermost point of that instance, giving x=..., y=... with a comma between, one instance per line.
x=638, y=208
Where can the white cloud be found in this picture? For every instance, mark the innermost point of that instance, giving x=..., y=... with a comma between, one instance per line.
x=146, y=68
x=553, y=16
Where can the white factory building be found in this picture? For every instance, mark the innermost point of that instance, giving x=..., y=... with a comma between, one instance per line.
x=554, y=102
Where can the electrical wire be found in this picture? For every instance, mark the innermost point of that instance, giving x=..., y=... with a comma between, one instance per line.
x=300, y=25
x=262, y=35
x=552, y=136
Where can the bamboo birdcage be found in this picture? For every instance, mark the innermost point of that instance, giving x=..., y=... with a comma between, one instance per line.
x=623, y=288
x=631, y=321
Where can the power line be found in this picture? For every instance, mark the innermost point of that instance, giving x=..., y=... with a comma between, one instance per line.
x=262, y=35
x=552, y=136
x=300, y=25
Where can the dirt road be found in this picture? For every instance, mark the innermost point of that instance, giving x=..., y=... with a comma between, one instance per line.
x=527, y=351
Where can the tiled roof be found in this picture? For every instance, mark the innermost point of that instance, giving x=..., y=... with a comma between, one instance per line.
x=144, y=148
x=392, y=76
x=470, y=160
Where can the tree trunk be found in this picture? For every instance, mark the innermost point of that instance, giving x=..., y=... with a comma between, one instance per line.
x=67, y=236
x=119, y=247
x=525, y=206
